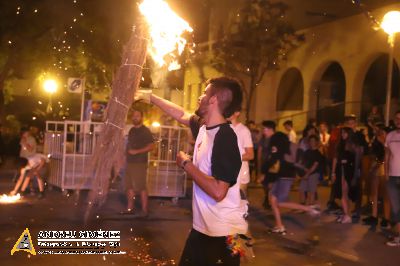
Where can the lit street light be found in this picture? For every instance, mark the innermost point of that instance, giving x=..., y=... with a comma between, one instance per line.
x=50, y=86
x=391, y=25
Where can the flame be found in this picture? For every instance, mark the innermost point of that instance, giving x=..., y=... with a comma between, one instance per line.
x=166, y=28
x=9, y=199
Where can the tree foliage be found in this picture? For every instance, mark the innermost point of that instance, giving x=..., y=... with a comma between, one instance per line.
x=257, y=39
x=64, y=38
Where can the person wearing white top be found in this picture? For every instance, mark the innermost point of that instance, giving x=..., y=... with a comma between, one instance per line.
x=392, y=173
x=218, y=212
x=288, y=125
x=246, y=149
x=34, y=164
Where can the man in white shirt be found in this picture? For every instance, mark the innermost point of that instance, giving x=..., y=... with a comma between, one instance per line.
x=392, y=170
x=218, y=215
x=288, y=125
x=246, y=149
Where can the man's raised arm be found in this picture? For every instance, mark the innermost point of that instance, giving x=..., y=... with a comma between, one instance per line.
x=172, y=109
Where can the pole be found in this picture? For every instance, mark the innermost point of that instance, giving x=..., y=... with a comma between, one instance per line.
x=391, y=39
x=83, y=98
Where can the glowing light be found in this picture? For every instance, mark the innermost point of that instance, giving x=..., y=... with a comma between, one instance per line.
x=50, y=86
x=33, y=117
x=155, y=124
x=9, y=199
x=391, y=22
x=166, y=29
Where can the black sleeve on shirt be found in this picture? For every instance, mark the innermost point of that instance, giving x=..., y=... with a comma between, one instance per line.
x=194, y=124
x=226, y=160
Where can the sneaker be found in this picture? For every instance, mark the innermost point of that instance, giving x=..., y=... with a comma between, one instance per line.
x=314, y=211
x=346, y=220
x=279, y=230
x=355, y=217
x=394, y=243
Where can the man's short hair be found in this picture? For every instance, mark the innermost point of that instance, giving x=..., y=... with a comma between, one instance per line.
x=350, y=118
x=229, y=94
x=288, y=123
x=269, y=124
x=137, y=110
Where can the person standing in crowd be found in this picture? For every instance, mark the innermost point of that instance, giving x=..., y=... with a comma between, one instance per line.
x=377, y=179
x=392, y=173
x=324, y=137
x=140, y=143
x=279, y=169
x=255, y=137
x=263, y=152
x=362, y=163
x=344, y=169
x=218, y=212
x=246, y=149
x=313, y=167
x=288, y=125
x=336, y=188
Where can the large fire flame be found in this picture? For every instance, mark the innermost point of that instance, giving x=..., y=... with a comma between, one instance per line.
x=166, y=29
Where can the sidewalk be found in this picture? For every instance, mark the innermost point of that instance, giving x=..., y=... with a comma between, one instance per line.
x=159, y=240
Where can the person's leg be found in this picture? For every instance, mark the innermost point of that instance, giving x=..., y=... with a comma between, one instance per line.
x=386, y=201
x=393, y=189
x=144, y=199
x=302, y=190
x=130, y=195
x=374, y=194
x=19, y=181
x=192, y=254
x=345, y=201
x=26, y=183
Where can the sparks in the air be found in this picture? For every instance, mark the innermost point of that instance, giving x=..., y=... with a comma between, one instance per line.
x=166, y=29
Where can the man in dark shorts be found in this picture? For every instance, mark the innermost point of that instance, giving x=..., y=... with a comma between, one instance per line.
x=218, y=212
x=140, y=143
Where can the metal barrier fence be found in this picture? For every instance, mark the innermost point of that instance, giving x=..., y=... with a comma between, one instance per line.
x=71, y=145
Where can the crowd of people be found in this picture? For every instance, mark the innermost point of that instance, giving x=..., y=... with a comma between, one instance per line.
x=360, y=165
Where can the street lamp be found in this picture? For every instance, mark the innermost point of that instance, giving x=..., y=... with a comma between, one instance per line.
x=50, y=86
x=391, y=25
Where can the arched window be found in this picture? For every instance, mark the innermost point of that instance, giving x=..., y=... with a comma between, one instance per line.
x=290, y=91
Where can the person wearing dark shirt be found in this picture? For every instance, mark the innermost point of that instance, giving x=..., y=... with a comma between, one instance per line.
x=313, y=166
x=140, y=143
x=377, y=179
x=218, y=212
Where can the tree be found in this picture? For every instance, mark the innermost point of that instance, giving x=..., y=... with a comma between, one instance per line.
x=258, y=39
x=65, y=38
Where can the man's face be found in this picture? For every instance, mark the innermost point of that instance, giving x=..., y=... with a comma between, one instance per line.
x=268, y=132
x=313, y=143
x=397, y=121
x=203, y=102
x=323, y=128
x=352, y=123
x=137, y=118
x=287, y=127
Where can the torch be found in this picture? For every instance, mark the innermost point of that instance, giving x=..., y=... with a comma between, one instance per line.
x=162, y=40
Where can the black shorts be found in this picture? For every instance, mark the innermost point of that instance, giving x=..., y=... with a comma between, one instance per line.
x=204, y=250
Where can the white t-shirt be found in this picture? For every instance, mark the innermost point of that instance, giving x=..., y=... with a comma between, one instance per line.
x=34, y=160
x=244, y=140
x=28, y=149
x=393, y=144
x=216, y=153
x=292, y=136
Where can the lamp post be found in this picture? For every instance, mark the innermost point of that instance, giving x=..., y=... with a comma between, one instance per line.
x=50, y=86
x=391, y=25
